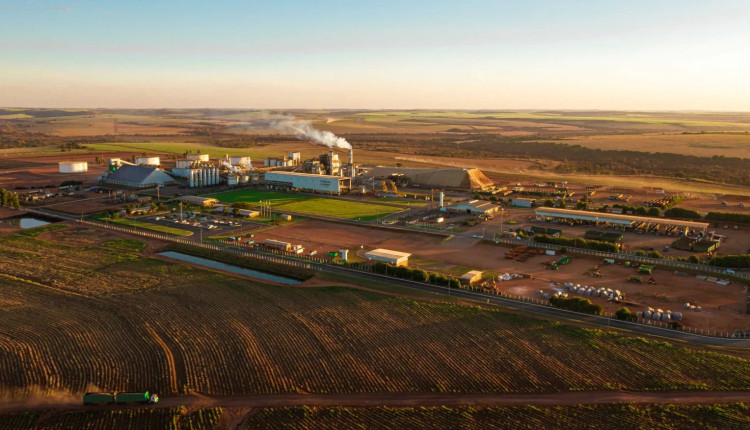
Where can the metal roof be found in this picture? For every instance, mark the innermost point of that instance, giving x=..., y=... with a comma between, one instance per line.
x=616, y=218
x=139, y=175
x=387, y=253
x=471, y=274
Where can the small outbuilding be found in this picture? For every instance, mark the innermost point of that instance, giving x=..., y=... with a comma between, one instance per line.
x=471, y=277
x=522, y=203
x=395, y=258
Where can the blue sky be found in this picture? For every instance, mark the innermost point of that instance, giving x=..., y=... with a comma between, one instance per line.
x=597, y=54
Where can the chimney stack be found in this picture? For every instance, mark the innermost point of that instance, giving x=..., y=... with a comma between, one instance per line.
x=351, y=163
x=330, y=163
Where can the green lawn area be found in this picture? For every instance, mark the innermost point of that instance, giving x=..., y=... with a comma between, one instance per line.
x=148, y=226
x=276, y=198
x=401, y=201
x=339, y=208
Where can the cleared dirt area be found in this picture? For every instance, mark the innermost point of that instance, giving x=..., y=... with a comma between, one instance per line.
x=723, y=306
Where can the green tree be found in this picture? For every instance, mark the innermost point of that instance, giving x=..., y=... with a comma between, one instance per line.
x=654, y=211
x=694, y=259
x=624, y=314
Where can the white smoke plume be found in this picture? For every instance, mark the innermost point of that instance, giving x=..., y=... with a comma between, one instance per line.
x=303, y=130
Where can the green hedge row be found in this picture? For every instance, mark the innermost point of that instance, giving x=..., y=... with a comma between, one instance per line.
x=577, y=304
x=418, y=275
x=577, y=242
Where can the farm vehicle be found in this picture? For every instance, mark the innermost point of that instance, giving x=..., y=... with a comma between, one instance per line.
x=120, y=398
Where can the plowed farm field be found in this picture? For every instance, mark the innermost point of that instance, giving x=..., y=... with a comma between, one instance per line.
x=74, y=317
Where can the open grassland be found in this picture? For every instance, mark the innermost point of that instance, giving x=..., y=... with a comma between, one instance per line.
x=177, y=418
x=255, y=152
x=622, y=117
x=702, y=145
x=128, y=222
x=126, y=322
x=718, y=417
x=254, y=196
x=339, y=208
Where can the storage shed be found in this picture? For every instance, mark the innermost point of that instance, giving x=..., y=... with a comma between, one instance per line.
x=395, y=258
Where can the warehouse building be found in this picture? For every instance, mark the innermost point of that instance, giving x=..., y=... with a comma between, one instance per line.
x=471, y=277
x=620, y=220
x=309, y=182
x=522, y=203
x=137, y=177
x=197, y=200
x=395, y=258
x=476, y=207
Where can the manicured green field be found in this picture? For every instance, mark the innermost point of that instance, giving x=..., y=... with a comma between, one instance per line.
x=149, y=226
x=276, y=198
x=340, y=208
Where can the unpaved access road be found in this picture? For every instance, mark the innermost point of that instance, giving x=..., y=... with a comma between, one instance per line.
x=409, y=400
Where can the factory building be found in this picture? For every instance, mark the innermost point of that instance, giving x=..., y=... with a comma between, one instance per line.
x=73, y=167
x=147, y=161
x=395, y=258
x=619, y=220
x=131, y=176
x=309, y=182
x=475, y=207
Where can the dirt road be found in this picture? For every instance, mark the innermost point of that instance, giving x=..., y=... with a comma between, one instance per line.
x=411, y=400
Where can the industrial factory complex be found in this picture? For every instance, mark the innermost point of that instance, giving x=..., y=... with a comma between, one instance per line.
x=323, y=174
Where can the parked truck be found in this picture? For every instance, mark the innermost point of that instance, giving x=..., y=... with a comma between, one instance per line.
x=120, y=398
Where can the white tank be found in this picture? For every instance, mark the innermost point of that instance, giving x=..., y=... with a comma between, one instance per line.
x=199, y=157
x=184, y=164
x=442, y=197
x=147, y=161
x=73, y=167
x=240, y=161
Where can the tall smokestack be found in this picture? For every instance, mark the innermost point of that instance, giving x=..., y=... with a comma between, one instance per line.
x=330, y=163
x=352, y=173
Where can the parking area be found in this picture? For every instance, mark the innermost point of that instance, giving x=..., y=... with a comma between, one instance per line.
x=202, y=223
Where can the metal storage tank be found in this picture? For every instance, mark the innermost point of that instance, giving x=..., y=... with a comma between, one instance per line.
x=147, y=161
x=239, y=161
x=199, y=157
x=73, y=167
x=183, y=164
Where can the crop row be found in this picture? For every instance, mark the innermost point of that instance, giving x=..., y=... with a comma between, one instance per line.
x=200, y=331
x=135, y=419
x=621, y=416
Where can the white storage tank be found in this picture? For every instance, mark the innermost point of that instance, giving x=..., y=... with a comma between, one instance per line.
x=199, y=157
x=74, y=167
x=183, y=164
x=147, y=161
x=240, y=161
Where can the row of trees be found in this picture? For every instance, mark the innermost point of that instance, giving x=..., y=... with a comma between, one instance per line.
x=741, y=261
x=577, y=242
x=576, y=304
x=9, y=198
x=418, y=275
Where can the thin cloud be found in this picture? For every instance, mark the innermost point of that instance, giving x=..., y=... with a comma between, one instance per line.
x=63, y=8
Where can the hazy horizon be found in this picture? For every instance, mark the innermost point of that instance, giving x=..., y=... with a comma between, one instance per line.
x=477, y=55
